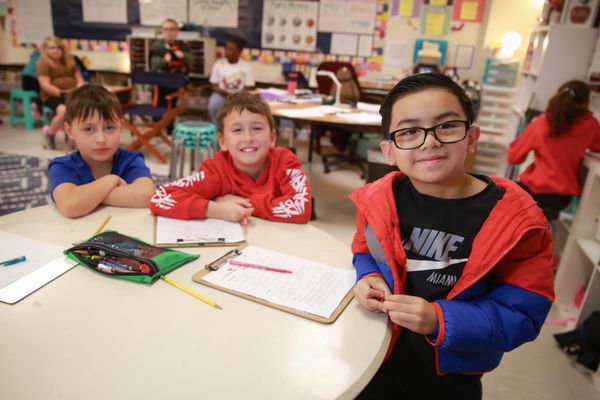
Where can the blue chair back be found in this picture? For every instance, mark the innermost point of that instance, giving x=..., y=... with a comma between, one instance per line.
x=160, y=79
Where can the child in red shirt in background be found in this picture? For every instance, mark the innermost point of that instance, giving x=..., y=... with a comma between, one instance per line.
x=250, y=176
x=559, y=139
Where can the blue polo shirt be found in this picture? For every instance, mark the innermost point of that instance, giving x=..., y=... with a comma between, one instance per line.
x=71, y=168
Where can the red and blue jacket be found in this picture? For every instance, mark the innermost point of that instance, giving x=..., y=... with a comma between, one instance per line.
x=504, y=293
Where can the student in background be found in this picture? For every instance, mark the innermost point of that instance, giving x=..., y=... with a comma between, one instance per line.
x=57, y=75
x=229, y=75
x=99, y=172
x=461, y=263
x=559, y=139
x=169, y=54
x=248, y=177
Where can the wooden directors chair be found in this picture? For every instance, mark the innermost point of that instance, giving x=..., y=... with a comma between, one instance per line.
x=159, y=117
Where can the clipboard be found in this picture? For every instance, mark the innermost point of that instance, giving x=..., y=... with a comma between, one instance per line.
x=199, y=277
x=215, y=239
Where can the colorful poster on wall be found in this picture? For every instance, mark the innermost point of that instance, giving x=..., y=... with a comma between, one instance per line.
x=468, y=10
x=435, y=21
x=289, y=25
x=218, y=13
x=349, y=16
x=406, y=8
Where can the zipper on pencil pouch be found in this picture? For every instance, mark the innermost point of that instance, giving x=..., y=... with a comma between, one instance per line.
x=111, y=260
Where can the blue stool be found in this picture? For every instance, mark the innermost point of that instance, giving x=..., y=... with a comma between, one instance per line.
x=198, y=137
x=26, y=97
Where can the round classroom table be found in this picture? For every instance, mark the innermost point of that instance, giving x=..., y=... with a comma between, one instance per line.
x=87, y=336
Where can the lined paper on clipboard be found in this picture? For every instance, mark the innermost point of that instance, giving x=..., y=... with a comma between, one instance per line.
x=313, y=290
x=196, y=232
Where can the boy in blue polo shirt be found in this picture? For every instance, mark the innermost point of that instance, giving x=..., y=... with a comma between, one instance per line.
x=99, y=172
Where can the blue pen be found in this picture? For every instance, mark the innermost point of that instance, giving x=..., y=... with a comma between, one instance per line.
x=12, y=261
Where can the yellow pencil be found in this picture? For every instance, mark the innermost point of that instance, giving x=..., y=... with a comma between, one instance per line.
x=191, y=292
x=102, y=225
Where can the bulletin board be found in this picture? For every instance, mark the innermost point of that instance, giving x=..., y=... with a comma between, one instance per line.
x=333, y=45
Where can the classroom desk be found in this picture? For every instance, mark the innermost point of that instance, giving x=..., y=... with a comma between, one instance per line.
x=328, y=121
x=89, y=336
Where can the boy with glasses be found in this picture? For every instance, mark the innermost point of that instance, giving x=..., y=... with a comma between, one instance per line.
x=461, y=263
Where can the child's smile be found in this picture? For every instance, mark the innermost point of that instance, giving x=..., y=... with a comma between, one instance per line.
x=248, y=138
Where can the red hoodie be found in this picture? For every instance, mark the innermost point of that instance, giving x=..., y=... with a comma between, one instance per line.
x=281, y=192
x=555, y=169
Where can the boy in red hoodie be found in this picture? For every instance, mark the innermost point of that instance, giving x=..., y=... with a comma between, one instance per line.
x=250, y=176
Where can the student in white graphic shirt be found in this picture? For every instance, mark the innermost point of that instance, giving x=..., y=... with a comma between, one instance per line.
x=229, y=75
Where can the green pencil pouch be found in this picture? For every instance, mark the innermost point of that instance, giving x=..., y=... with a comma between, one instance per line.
x=125, y=257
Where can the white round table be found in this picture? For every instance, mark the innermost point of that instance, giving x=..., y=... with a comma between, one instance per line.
x=87, y=336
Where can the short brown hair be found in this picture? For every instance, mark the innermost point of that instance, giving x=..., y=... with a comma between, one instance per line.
x=241, y=101
x=88, y=99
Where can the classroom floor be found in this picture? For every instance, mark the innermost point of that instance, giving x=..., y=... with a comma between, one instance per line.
x=536, y=370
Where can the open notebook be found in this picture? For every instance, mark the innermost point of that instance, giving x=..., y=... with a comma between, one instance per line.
x=170, y=232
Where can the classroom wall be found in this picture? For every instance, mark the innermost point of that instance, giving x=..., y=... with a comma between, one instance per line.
x=400, y=40
x=513, y=15
x=98, y=60
x=500, y=17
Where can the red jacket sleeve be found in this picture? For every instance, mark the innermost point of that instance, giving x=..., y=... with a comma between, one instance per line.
x=291, y=201
x=523, y=144
x=188, y=197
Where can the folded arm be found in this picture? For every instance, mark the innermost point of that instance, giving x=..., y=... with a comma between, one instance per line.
x=186, y=198
x=75, y=201
x=136, y=194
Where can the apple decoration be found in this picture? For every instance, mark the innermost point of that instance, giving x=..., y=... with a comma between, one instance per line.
x=580, y=13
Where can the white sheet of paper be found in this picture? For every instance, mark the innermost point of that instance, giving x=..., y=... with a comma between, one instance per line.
x=312, y=287
x=318, y=111
x=44, y=262
x=35, y=280
x=171, y=230
x=368, y=107
x=362, y=117
x=110, y=11
x=344, y=43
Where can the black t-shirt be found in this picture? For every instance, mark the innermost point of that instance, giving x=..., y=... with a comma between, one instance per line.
x=437, y=235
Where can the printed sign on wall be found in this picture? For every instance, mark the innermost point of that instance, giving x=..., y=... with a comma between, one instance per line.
x=289, y=25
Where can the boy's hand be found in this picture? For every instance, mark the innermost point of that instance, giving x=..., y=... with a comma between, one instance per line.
x=411, y=312
x=179, y=54
x=370, y=293
x=230, y=208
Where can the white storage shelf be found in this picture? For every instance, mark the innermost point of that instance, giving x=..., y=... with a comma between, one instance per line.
x=495, y=122
x=578, y=276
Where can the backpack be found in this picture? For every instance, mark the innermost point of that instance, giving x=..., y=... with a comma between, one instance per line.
x=583, y=343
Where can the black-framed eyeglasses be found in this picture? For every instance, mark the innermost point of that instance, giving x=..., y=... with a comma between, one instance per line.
x=446, y=132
